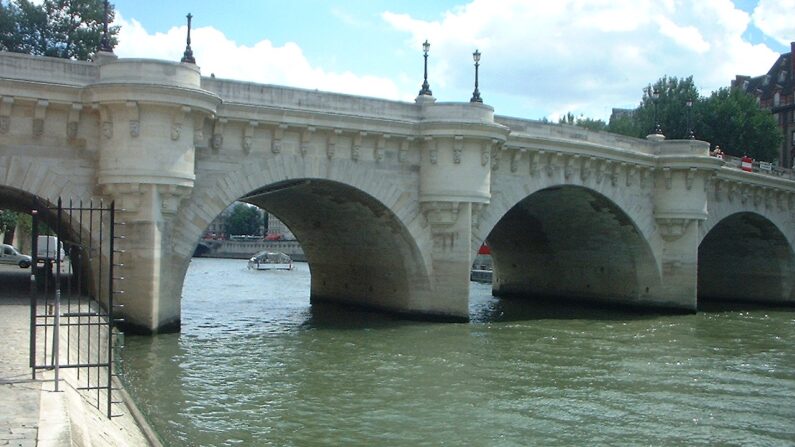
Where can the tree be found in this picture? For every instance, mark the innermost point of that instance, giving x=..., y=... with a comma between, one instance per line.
x=70, y=29
x=729, y=118
x=732, y=119
x=8, y=224
x=581, y=121
x=669, y=109
x=244, y=220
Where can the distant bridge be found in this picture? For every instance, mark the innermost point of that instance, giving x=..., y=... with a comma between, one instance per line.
x=390, y=200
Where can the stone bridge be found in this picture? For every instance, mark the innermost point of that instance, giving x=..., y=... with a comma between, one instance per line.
x=390, y=200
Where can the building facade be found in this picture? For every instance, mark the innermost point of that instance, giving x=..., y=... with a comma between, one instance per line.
x=774, y=91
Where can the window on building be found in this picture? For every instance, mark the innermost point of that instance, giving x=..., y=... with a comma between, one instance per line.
x=776, y=99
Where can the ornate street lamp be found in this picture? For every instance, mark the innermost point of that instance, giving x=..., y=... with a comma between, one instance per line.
x=690, y=134
x=655, y=95
x=187, y=57
x=426, y=89
x=476, y=94
x=104, y=43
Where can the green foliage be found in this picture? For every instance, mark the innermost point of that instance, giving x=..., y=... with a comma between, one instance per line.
x=624, y=124
x=244, y=220
x=588, y=123
x=729, y=118
x=8, y=223
x=70, y=29
x=671, y=109
x=732, y=119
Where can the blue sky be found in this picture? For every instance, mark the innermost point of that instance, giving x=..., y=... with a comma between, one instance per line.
x=540, y=59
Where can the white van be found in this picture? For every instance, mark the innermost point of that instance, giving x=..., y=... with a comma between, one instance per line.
x=46, y=248
x=10, y=255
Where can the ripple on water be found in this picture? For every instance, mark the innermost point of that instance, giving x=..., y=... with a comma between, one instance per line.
x=256, y=365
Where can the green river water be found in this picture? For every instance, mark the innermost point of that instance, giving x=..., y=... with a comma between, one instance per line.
x=256, y=365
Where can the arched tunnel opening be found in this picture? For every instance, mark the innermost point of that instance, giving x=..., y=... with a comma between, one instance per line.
x=746, y=258
x=69, y=244
x=357, y=251
x=572, y=243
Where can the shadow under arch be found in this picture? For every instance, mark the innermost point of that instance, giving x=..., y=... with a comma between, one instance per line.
x=572, y=242
x=81, y=276
x=359, y=252
x=746, y=258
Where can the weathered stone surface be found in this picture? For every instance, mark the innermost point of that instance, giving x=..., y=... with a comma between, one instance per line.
x=389, y=199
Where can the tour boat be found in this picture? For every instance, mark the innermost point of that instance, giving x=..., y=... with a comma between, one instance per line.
x=270, y=260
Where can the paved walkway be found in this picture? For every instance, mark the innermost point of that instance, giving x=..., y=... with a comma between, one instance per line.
x=19, y=395
x=31, y=413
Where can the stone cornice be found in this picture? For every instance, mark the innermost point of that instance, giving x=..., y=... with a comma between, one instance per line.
x=152, y=94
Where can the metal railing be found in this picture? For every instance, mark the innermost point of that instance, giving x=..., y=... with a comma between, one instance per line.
x=759, y=167
x=68, y=304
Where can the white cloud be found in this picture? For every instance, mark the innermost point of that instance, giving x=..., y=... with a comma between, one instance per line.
x=592, y=54
x=262, y=62
x=776, y=18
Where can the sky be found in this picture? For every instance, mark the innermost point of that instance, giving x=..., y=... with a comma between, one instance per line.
x=539, y=58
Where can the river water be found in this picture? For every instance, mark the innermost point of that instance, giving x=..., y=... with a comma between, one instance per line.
x=256, y=365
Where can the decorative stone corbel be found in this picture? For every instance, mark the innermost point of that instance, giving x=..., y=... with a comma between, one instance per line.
x=485, y=154
x=331, y=143
x=616, y=167
x=549, y=167
x=718, y=195
x=403, y=152
x=380, y=148
x=645, y=175
x=198, y=129
x=758, y=194
x=709, y=180
x=781, y=200
x=73, y=120
x=5, y=113
x=106, y=122
x=668, y=177
x=585, y=167
x=248, y=136
x=731, y=191
x=534, y=161
x=134, y=115
x=433, y=150
x=769, y=198
x=600, y=170
x=496, y=149
x=690, y=176
x=306, y=140
x=356, y=146
x=171, y=197
x=176, y=122
x=458, y=148
x=278, y=135
x=672, y=229
x=744, y=194
x=39, y=114
x=631, y=171
x=218, y=133
x=517, y=158
x=477, y=209
x=568, y=170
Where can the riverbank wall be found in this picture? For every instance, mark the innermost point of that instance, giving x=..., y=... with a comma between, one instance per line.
x=32, y=411
x=77, y=414
x=211, y=248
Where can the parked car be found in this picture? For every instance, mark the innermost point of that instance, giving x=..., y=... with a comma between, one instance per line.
x=10, y=255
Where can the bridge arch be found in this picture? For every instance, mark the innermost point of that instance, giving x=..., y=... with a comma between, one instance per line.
x=745, y=256
x=572, y=242
x=360, y=228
